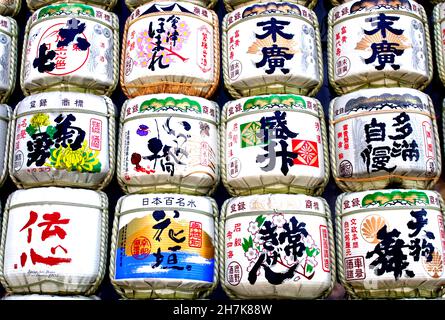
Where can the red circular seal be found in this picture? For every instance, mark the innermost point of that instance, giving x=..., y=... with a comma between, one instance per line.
x=140, y=248
x=234, y=273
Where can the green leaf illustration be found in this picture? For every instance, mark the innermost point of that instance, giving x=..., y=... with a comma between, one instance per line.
x=50, y=130
x=31, y=130
x=309, y=268
x=260, y=220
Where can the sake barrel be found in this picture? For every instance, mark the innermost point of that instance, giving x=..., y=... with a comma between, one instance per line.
x=70, y=47
x=47, y=297
x=63, y=139
x=439, y=38
x=274, y=144
x=271, y=47
x=5, y=119
x=164, y=246
x=170, y=47
x=133, y=4
x=383, y=137
x=104, y=4
x=54, y=241
x=276, y=246
x=10, y=7
x=390, y=243
x=8, y=56
x=374, y=45
x=169, y=143
x=235, y=4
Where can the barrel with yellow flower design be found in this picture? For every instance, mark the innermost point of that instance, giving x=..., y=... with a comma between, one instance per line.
x=63, y=139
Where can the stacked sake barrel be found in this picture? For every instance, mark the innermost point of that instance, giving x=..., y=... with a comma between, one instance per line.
x=276, y=235
x=61, y=153
x=385, y=151
x=164, y=241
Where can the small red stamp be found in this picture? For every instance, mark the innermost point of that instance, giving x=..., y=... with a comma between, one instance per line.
x=140, y=248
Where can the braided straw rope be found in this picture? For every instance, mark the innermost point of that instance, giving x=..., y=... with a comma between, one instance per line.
x=200, y=89
x=84, y=288
x=12, y=61
x=319, y=190
x=388, y=80
x=3, y=233
x=177, y=186
x=107, y=4
x=10, y=145
x=285, y=87
x=266, y=188
x=10, y=9
x=438, y=42
x=218, y=151
x=111, y=115
x=120, y=140
x=4, y=172
x=430, y=184
x=63, y=83
x=442, y=210
x=127, y=292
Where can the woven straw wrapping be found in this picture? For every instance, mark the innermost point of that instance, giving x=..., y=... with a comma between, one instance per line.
x=8, y=118
x=316, y=191
x=10, y=9
x=133, y=4
x=379, y=293
x=366, y=183
x=222, y=253
x=83, y=288
x=111, y=136
x=438, y=41
x=268, y=88
x=65, y=83
x=129, y=292
x=103, y=4
x=4, y=96
x=173, y=188
x=382, y=80
x=143, y=86
x=232, y=5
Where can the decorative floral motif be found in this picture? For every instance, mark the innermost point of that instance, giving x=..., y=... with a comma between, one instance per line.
x=278, y=220
x=82, y=160
x=253, y=227
x=251, y=254
x=40, y=120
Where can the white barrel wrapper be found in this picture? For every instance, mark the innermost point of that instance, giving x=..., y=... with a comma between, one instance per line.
x=170, y=47
x=276, y=247
x=164, y=246
x=274, y=143
x=272, y=47
x=5, y=119
x=71, y=46
x=169, y=143
x=133, y=4
x=372, y=45
x=47, y=297
x=8, y=56
x=391, y=243
x=63, y=139
x=54, y=241
x=384, y=137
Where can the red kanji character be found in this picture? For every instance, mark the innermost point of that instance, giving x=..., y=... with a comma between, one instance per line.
x=53, y=219
x=32, y=219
